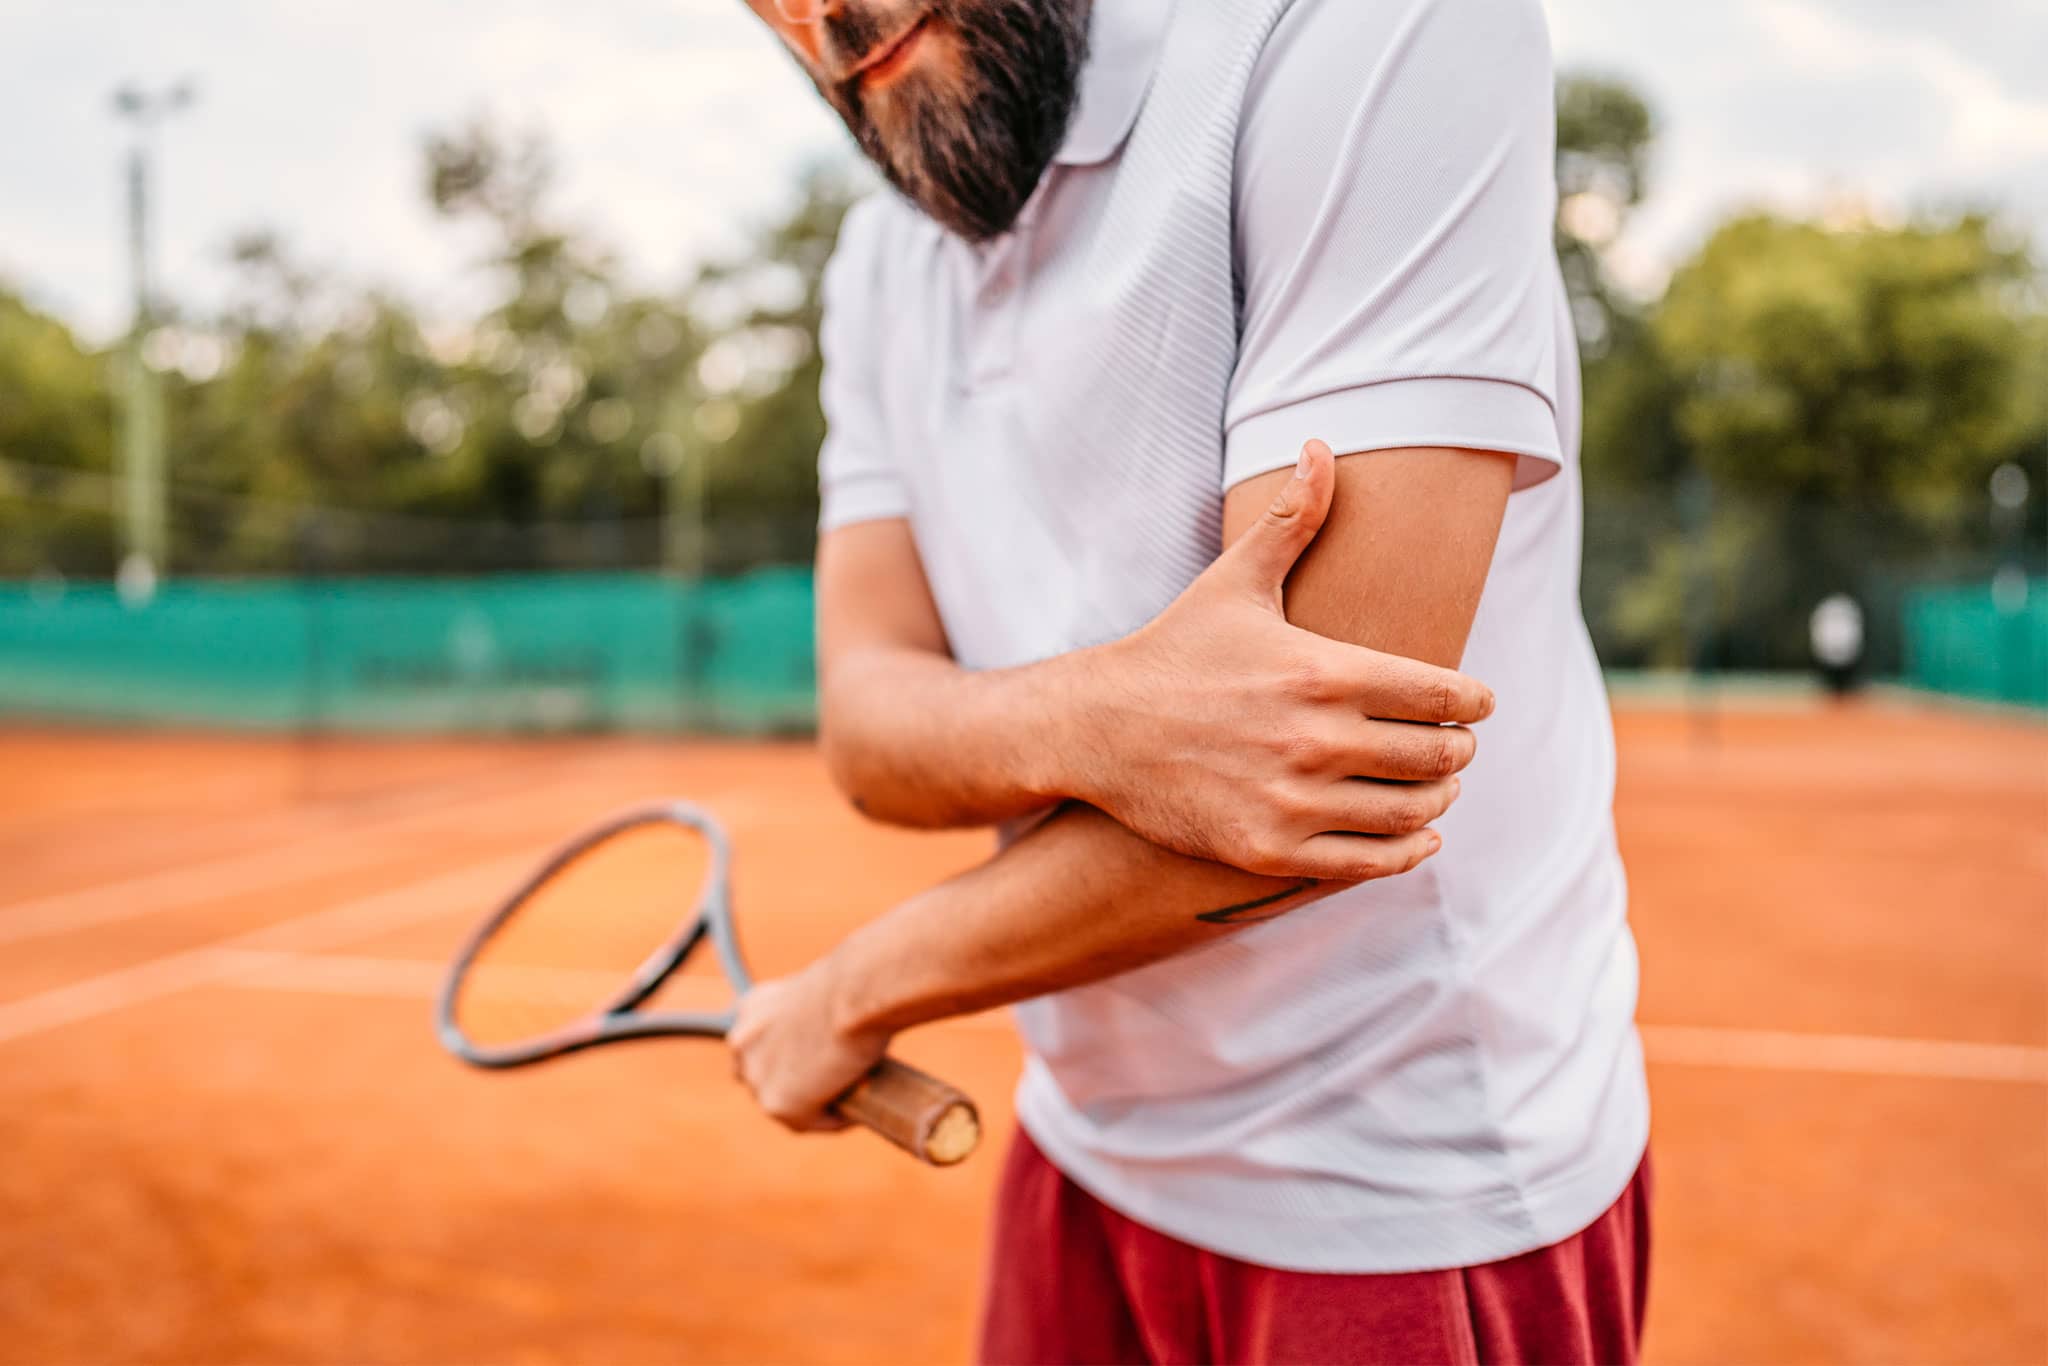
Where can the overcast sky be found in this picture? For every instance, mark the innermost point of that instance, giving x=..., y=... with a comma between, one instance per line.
x=678, y=122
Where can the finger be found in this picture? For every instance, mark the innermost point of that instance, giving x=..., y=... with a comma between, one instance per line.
x=1396, y=688
x=1404, y=752
x=1369, y=808
x=1335, y=857
x=1262, y=557
x=803, y=1119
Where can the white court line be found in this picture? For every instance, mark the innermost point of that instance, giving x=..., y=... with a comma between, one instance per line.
x=411, y=979
x=1679, y=1045
x=174, y=889
x=289, y=958
x=305, y=859
x=466, y=890
x=293, y=858
x=1694, y=1046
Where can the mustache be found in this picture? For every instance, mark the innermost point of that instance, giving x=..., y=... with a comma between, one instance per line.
x=857, y=33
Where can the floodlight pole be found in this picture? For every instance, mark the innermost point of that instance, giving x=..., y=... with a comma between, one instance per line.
x=144, y=513
x=691, y=481
x=683, y=487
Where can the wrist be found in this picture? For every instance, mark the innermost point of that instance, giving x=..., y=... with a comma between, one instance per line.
x=852, y=1005
x=1068, y=760
x=880, y=980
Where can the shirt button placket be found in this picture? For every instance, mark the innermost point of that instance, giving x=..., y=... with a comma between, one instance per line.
x=999, y=307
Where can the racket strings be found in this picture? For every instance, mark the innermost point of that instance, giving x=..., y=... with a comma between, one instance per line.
x=578, y=940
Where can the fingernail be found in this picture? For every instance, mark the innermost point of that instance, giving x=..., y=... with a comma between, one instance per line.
x=1301, y=465
x=1487, y=710
x=1456, y=788
x=1436, y=841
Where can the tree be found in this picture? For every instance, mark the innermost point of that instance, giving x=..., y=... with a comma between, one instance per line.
x=1847, y=391
x=1629, y=450
x=759, y=426
x=1871, y=366
x=1605, y=134
x=56, y=415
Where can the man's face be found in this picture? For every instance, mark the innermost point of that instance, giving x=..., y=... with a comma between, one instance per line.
x=961, y=103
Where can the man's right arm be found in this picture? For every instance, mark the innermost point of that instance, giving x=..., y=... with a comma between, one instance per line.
x=1081, y=897
x=1217, y=731
x=910, y=736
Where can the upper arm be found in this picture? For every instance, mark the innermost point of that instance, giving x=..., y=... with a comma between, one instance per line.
x=871, y=584
x=1402, y=559
x=858, y=478
x=872, y=591
x=1394, y=193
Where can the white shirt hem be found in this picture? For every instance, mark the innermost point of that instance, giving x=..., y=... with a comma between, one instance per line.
x=1368, y=1241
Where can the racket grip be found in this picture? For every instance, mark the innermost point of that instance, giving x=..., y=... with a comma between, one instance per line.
x=920, y=1114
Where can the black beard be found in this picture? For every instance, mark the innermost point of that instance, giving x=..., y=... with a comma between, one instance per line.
x=971, y=161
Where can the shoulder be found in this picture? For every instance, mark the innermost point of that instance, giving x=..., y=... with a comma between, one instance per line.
x=884, y=247
x=1353, y=50
x=1367, y=30
x=1395, y=99
x=878, y=220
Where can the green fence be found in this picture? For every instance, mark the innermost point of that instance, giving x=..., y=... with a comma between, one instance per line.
x=560, y=652
x=587, y=652
x=1987, y=641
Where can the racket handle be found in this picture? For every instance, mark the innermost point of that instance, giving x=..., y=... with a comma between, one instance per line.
x=920, y=1114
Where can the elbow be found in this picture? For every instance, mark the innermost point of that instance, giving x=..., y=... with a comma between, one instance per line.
x=864, y=779
x=851, y=771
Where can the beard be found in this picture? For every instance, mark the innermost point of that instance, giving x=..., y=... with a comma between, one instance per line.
x=969, y=152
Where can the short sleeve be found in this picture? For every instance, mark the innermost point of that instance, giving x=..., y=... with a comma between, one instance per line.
x=857, y=482
x=1394, y=198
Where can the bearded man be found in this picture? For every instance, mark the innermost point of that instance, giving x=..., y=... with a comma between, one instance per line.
x=1298, y=1085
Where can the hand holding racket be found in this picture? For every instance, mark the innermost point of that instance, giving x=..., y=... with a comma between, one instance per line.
x=606, y=924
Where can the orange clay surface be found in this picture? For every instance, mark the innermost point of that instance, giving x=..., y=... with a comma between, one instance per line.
x=229, y=1135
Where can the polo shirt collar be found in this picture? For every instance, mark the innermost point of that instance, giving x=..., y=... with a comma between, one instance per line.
x=1124, y=39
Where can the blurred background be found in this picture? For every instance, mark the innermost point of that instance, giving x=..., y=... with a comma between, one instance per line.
x=397, y=397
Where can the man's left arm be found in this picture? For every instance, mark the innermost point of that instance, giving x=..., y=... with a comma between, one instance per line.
x=1399, y=566
x=1400, y=299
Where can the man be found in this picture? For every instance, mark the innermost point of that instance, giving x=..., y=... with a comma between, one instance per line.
x=1295, y=1089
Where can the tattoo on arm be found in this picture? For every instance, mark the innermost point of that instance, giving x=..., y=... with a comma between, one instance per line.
x=1244, y=912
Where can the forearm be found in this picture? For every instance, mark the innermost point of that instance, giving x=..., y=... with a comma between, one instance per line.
x=1076, y=900
x=1081, y=898
x=914, y=739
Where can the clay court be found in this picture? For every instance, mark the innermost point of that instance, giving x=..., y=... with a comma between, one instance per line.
x=231, y=1136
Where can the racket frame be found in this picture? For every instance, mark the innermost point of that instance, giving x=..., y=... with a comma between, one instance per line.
x=617, y=1019
x=933, y=1121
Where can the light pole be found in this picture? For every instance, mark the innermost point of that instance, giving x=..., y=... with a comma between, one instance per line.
x=143, y=512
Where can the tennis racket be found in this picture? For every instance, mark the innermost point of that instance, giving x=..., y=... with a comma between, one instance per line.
x=598, y=945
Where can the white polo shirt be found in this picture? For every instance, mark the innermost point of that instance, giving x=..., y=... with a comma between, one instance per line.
x=1275, y=220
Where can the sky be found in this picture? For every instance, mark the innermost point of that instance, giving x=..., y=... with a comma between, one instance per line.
x=677, y=124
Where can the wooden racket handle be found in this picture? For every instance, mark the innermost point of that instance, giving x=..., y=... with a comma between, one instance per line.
x=920, y=1114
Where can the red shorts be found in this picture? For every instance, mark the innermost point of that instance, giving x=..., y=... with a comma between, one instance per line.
x=1071, y=1280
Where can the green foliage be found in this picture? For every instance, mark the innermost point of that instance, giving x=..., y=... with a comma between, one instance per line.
x=1837, y=398
x=315, y=425
x=1605, y=131
x=1869, y=366
x=760, y=430
x=56, y=414
x=1808, y=407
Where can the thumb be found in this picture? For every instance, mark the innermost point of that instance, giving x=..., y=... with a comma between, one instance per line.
x=1261, y=558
